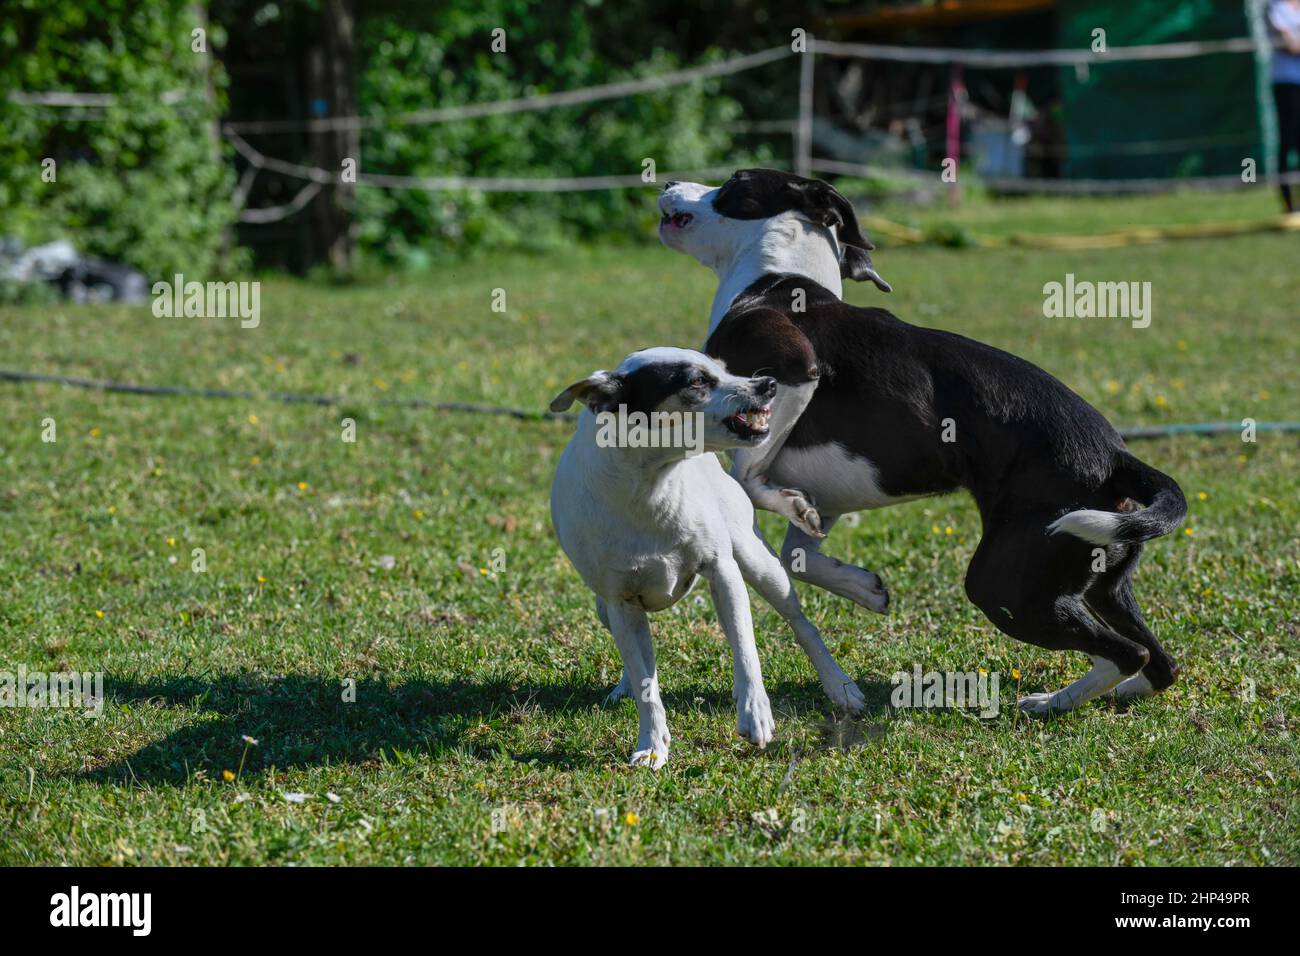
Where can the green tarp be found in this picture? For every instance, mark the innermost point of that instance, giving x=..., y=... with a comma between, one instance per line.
x=1195, y=116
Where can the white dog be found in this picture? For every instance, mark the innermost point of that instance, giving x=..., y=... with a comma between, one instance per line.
x=642, y=519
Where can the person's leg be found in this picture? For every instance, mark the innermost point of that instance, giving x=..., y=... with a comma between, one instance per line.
x=1286, y=96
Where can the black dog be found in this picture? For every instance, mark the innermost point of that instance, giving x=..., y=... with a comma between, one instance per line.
x=872, y=411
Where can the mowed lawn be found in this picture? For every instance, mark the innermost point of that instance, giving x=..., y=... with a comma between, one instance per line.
x=418, y=562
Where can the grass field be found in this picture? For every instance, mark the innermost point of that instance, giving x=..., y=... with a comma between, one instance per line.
x=479, y=690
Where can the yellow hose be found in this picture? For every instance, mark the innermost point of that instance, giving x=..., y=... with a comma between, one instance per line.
x=906, y=235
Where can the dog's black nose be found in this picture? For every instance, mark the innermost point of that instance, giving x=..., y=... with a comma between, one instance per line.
x=767, y=386
x=670, y=185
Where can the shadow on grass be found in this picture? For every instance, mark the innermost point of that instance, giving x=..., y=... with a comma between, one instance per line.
x=302, y=721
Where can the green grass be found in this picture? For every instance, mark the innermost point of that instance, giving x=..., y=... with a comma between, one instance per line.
x=477, y=692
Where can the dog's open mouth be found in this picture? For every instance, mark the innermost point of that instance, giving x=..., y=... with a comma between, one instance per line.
x=750, y=423
x=678, y=220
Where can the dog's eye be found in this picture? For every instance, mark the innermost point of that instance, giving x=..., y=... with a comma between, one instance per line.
x=699, y=381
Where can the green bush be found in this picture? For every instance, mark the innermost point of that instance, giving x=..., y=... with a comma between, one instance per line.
x=142, y=181
x=448, y=61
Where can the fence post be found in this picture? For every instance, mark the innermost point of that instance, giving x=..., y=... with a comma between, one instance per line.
x=803, y=132
x=952, y=138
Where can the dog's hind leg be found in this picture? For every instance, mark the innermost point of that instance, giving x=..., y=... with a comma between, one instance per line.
x=1031, y=587
x=631, y=630
x=762, y=569
x=1111, y=599
x=801, y=554
x=622, y=688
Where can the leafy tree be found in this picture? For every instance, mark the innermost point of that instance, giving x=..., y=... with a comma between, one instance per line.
x=143, y=180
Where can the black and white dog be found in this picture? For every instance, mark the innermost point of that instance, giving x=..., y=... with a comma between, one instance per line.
x=642, y=520
x=865, y=404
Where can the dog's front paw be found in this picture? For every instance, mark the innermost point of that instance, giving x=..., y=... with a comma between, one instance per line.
x=866, y=588
x=651, y=749
x=844, y=693
x=799, y=511
x=654, y=759
x=754, y=718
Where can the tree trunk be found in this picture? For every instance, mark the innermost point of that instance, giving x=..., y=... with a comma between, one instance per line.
x=331, y=80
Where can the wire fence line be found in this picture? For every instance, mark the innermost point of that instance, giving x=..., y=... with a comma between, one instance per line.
x=320, y=177
x=663, y=81
x=801, y=126
x=524, y=414
x=1011, y=59
x=524, y=104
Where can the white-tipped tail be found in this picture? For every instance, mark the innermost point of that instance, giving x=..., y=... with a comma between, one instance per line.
x=1097, y=527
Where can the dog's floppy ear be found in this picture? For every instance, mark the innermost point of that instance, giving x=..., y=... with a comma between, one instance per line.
x=824, y=204
x=598, y=391
x=855, y=264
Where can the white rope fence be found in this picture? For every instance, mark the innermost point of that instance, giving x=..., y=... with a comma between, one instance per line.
x=1011, y=59
x=525, y=104
x=316, y=177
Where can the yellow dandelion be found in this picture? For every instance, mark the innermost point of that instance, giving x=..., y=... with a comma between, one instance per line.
x=1161, y=401
x=95, y=433
x=1189, y=531
x=1241, y=459
x=419, y=513
x=252, y=419
x=1182, y=345
x=934, y=528
x=303, y=486
x=1022, y=798
x=228, y=776
x=1202, y=496
x=99, y=614
x=112, y=509
x=982, y=670
x=172, y=542
x=255, y=460
x=483, y=571
x=631, y=819
x=1112, y=387
x=948, y=530
x=261, y=579
x=1015, y=673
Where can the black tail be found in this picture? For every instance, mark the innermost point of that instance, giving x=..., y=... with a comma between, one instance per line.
x=1165, y=505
